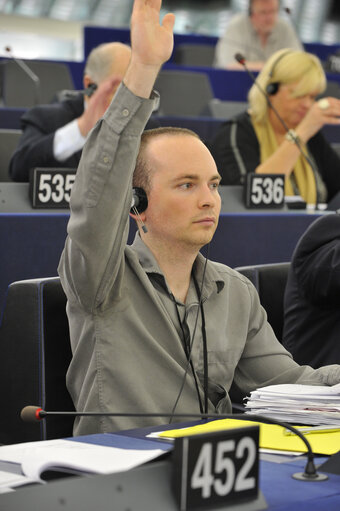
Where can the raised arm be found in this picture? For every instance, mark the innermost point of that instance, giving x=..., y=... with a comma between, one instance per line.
x=93, y=259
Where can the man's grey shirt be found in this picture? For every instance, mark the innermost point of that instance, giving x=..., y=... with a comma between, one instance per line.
x=126, y=339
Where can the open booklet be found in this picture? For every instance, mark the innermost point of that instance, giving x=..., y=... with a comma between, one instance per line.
x=74, y=456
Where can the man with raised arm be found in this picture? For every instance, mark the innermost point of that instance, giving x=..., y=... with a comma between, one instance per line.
x=154, y=327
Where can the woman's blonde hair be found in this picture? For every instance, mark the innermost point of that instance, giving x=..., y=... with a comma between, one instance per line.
x=283, y=67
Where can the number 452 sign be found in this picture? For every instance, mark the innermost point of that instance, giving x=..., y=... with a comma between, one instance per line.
x=217, y=469
x=51, y=188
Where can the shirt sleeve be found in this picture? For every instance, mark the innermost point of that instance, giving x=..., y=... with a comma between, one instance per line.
x=67, y=141
x=265, y=361
x=93, y=257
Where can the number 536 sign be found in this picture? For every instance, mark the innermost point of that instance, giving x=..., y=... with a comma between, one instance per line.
x=51, y=188
x=264, y=190
x=219, y=468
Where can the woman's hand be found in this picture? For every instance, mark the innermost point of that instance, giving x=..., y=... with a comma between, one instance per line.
x=324, y=111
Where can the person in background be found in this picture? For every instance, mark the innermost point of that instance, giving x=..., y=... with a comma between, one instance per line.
x=154, y=326
x=312, y=297
x=54, y=134
x=268, y=137
x=256, y=35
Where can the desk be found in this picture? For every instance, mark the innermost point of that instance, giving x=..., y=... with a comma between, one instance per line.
x=147, y=488
x=32, y=242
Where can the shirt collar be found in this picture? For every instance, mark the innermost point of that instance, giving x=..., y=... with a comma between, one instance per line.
x=212, y=281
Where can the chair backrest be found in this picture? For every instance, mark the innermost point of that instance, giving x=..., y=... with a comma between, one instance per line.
x=19, y=90
x=195, y=54
x=270, y=281
x=220, y=109
x=34, y=356
x=8, y=142
x=183, y=93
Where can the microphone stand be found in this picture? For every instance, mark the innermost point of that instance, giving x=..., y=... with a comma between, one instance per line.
x=28, y=71
x=34, y=414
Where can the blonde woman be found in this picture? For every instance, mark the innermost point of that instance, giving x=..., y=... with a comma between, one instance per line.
x=270, y=139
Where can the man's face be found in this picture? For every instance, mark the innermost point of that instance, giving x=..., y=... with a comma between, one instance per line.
x=183, y=202
x=264, y=15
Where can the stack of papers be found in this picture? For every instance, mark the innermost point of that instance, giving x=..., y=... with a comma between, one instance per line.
x=300, y=404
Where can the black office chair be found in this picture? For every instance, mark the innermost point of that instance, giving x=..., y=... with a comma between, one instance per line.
x=19, y=90
x=8, y=142
x=270, y=281
x=34, y=355
x=194, y=54
x=183, y=93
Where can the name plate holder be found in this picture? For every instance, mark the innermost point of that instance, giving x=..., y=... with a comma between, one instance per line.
x=218, y=470
x=50, y=188
x=264, y=191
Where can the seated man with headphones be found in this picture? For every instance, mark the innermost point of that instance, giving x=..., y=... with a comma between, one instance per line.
x=54, y=134
x=257, y=34
x=280, y=133
x=157, y=330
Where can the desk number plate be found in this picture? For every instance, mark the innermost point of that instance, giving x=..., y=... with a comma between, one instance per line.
x=216, y=469
x=51, y=188
x=264, y=191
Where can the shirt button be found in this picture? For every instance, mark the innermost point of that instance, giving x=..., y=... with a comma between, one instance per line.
x=125, y=112
x=106, y=159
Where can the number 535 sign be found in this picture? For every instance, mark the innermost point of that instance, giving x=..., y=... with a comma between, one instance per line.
x=217, y=468
x=51, y=188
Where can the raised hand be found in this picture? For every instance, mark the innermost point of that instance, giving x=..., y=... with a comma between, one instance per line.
x=325, y=111
x=152, y=45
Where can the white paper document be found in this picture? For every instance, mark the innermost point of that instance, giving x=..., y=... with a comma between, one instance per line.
x=304, y=404
x=78, y=457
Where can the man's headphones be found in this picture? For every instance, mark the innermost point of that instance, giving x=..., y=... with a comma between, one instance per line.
x=273, y=87
x=139, y=200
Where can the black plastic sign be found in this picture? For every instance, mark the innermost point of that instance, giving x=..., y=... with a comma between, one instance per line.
x=51, y=187
x=264, y=191
x=215, y=469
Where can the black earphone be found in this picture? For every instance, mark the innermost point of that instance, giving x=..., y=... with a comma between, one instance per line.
x=90, y=89
x=139, y=200
x=272, y=88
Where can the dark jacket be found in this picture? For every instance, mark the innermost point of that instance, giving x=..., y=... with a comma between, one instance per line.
x=236, y=151
x=312, y=298
x=39, y=124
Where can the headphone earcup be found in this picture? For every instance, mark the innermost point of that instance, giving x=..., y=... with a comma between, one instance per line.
x=139, y=200
x=272, y=88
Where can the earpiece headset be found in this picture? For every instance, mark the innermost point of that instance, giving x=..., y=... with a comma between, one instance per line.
x=90, y=89
x=272, y=88
x=139, y=200
x=139, y=204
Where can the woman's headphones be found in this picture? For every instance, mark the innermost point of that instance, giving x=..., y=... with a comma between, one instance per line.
x=273, y=87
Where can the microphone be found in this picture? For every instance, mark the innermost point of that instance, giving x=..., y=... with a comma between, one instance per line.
x=28, y=71
x=241, y=60
x=35, y=414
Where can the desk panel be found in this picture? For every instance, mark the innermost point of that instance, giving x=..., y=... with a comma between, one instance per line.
x=32, y=242
x=257, y=238
x=31, y=245
x=148, y=488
